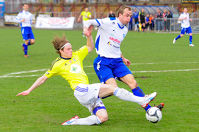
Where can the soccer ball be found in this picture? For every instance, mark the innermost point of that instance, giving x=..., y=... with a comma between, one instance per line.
x=154, y=114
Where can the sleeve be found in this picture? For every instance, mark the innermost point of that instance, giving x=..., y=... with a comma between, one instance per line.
x=31, y=18
x=82, y=52
x=82, y=13
x=18, y=18
x=52, y=71
x=89, y=14
x=97, y=22
x=181, y=16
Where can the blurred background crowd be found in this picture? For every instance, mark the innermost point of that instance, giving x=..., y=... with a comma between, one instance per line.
x=148, y=15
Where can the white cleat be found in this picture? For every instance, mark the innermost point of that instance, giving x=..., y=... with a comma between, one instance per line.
x=148, y=99
x=174, y=41
x=191, y=45
x=70, y=122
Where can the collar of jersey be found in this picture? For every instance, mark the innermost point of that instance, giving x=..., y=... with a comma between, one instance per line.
x=65, y=58
x=120, y=25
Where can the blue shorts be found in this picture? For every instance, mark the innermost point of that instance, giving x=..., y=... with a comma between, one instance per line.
x=186, y=30
x=107, y=68
x=27, y=33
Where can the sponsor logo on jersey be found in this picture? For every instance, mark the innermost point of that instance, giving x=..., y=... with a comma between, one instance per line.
x=114, y=40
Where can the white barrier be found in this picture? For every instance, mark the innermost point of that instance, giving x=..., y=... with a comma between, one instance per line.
x=55, y=22
x=10, y=19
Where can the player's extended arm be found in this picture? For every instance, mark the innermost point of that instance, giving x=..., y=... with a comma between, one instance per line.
x=126, y=61
x=90, y=43
x=79, y=18
x=36, y=84
x=93, y=22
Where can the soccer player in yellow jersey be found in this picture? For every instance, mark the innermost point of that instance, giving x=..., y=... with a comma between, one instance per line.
x=85, y=15
x=70, y=66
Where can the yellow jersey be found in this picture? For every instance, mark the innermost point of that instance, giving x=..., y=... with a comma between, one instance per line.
x=85, y=15
x=70, y=69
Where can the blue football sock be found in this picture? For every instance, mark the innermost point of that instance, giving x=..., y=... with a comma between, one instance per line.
x=138, y=92
x=29, y=42
x=178, y=37
x=190, y=39
x=25, y=49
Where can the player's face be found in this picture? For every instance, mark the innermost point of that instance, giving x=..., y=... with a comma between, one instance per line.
x=86, y=9
x=125, y=17
x=25, y=7
x=67, y=51
x=185, y=10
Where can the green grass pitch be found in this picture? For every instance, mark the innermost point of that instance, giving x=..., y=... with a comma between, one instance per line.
x=157, y=64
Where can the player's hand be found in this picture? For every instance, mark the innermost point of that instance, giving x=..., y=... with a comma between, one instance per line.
x=33, y=22
x=190, y=20
x=78, y=20
x=23, y=93
x=126, y=62
x=23, y=20
x=88, y=31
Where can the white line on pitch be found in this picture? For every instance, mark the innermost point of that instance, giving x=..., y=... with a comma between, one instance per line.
x=10, y=75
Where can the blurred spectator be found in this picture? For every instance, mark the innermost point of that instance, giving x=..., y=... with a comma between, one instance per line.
x=151, y=22
x=141, y=18
x=169, y=16
x=147, y=21
x=135, y=19
x=164, y=15
x=131, y=23
x=158, y=20
x=56, y=1
x=111, y=14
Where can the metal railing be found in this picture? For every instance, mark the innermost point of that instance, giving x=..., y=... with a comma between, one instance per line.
x=173, y=25
x=157, y=25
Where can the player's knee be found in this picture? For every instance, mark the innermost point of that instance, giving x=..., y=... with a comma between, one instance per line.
x=32, y=42
x=181, y=35
x=102, y=115
x=26, y=42
x=103, y=118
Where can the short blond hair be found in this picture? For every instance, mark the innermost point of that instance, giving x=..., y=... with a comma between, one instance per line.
x=122, y=8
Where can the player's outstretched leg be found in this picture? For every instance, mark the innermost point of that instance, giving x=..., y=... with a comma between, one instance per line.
x=128, y=96
x=90, y=120
x=123, y=94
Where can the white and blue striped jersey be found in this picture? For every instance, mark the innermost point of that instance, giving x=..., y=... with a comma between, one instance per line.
x=109, y=37
x=185, y=23
x=27, y=16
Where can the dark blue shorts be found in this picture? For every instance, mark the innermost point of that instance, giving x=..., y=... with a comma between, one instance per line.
x=27, y=33
x=186, y=30
x=107, y=68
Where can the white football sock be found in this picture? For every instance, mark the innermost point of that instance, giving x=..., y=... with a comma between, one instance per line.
x=90, y=120
x=127, y=96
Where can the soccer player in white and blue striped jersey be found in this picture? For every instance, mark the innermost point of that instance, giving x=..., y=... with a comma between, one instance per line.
x=185, y=27
x=25, y=18
x=110, y=63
